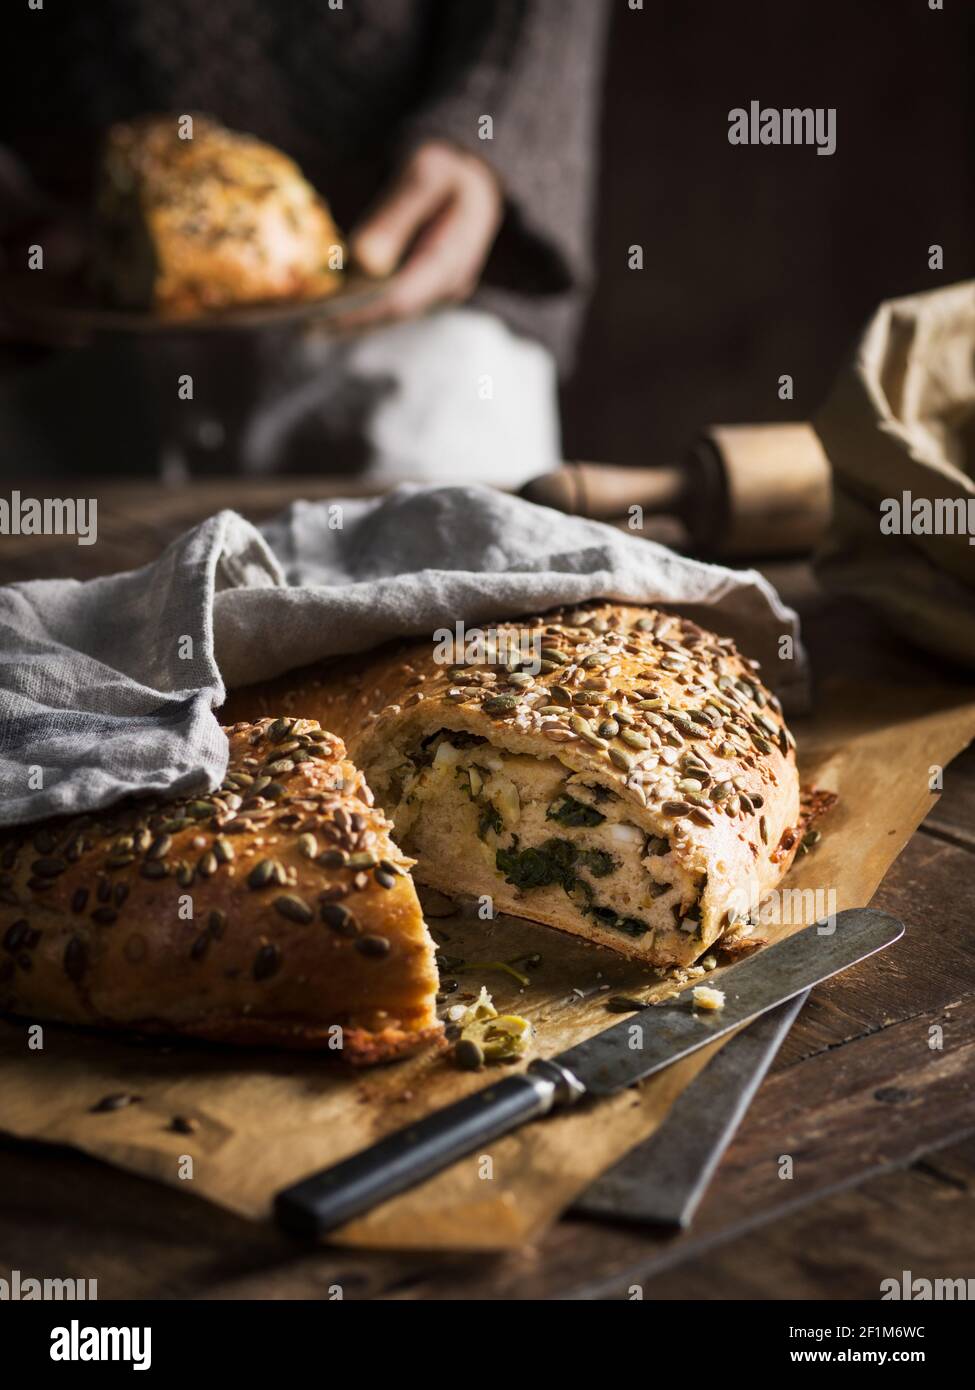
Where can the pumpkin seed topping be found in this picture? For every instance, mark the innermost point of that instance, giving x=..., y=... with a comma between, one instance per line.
x=339, y=918
x=49, y=868
x=261, y=874
x=500, y=704
x=267, y=962
x=75, y=958
x=373, y=945
x=294, y=908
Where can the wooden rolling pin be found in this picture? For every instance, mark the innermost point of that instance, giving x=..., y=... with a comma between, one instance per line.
x=742, y=490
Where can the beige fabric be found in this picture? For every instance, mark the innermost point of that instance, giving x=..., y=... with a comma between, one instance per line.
x=901, y=419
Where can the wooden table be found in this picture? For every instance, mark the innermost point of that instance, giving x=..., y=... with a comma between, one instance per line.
x=881, y=1126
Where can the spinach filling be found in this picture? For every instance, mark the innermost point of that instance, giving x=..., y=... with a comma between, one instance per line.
x=631, y=926
x=555, y=862
x=567, y=811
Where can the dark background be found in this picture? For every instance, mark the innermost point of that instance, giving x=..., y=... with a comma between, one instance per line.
x=763, y=260
x=758, y=261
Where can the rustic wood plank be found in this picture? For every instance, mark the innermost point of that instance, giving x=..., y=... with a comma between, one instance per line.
x=836, y=1141
x=821, y=1105
x=931, y=887
x=953, y=817
x=137, y=520
x=918, y=1219
x=855, y=1091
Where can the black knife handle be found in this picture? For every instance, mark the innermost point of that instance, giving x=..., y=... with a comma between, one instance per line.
x=318, y=1204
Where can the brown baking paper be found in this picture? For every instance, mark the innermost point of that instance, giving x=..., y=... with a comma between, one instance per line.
x=266, y=1119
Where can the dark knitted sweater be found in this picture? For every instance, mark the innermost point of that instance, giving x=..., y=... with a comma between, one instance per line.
x=345, y=91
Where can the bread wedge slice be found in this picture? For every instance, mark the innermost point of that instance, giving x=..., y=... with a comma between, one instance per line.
x=276, y=911
x=615, y=772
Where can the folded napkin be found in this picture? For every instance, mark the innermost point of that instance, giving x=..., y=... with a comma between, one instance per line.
x=109, y=687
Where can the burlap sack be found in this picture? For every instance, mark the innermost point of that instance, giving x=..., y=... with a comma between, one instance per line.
x=899, y=430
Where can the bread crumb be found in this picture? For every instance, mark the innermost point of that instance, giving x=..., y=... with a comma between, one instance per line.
x=707, y=998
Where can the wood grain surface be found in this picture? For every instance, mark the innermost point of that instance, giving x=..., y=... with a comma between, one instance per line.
x=876, y=1110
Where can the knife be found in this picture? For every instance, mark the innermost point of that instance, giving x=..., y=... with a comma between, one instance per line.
x=661, y=1181
x=601, y=1066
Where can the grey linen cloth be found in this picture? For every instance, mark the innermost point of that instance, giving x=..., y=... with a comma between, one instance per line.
x=109, y=687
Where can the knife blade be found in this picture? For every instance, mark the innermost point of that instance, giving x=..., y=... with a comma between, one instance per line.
x=602, y=1065
x=661, y=1181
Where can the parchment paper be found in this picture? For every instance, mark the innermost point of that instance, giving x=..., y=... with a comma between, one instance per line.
x=266, y=1119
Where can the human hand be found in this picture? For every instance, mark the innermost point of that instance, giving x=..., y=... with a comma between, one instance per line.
x=431, y=233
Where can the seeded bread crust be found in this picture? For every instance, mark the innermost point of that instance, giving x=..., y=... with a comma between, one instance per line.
x=637, y=700
x=191, y=225
x=304, y=917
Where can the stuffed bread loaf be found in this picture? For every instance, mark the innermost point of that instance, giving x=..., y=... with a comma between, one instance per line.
x=639, y=789
x=219, y=219
x=305, y=928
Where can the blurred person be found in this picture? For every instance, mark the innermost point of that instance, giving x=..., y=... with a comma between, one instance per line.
x=450, y=372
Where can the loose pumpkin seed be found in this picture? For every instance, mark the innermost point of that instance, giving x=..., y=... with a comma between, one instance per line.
x=621, y=1004
x=468, y=1055
x=115, y=1102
